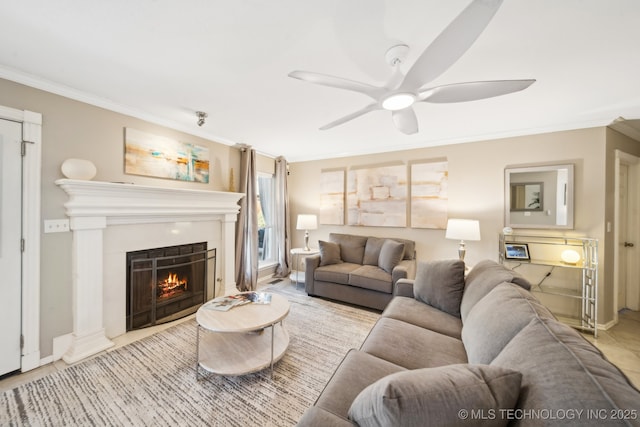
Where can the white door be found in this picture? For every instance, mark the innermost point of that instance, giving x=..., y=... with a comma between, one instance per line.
x=632, y=241
x=628, y=206
x=10, y=237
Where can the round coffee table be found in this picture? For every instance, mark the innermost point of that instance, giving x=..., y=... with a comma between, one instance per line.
x=237, y=341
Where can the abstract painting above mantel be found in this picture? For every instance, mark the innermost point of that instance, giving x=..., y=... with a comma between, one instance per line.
x=161, y=157
x=377, y=196
x=429, y=194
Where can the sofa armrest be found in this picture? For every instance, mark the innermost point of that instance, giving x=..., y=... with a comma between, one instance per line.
x=311, y=263
x=403, y=288
x=406, y=269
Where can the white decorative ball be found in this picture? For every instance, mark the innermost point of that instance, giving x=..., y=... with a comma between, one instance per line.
x=78, y=169
x=570, y=256
x=507, y=230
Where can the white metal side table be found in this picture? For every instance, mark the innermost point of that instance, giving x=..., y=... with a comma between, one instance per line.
x=297, y=275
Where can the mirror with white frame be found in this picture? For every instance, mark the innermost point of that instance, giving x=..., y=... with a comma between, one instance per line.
x=539, y=197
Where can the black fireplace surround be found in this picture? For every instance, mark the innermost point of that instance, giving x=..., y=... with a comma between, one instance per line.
x=164, y=284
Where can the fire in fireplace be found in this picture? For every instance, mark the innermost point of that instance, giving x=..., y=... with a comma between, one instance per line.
x=164, y=284
x=171, y=286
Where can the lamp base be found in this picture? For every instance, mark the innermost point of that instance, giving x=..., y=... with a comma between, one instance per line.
x=306, y=240
x=461, y=250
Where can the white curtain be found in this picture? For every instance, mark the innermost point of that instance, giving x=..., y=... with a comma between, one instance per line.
x=282, y=221
x=247, y=225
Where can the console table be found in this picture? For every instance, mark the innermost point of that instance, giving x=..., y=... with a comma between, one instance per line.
x=546, y=251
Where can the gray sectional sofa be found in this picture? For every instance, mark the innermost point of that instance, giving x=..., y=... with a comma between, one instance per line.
x=359, y=270
x=480, y=350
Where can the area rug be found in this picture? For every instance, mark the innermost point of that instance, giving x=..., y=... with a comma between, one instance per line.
x=152, y=382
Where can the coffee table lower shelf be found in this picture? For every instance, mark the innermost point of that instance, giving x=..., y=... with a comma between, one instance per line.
x=240, y=353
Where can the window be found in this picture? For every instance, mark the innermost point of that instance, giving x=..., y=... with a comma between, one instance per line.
x=266, y=235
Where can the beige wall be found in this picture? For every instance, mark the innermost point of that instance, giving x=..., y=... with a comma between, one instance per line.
x=476, y=188
x=75, y=129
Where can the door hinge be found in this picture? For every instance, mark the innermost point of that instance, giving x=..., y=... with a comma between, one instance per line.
x=21, y=341
x=22, y=243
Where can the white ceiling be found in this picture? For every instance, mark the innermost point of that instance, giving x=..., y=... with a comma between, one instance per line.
x=162, y=60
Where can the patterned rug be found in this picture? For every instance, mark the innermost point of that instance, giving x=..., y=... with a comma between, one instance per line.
x=152, y=382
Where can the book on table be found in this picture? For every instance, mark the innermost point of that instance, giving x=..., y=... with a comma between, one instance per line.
x=260, y=297
x=226, y=303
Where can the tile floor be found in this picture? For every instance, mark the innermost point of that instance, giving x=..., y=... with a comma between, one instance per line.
x=620, y=344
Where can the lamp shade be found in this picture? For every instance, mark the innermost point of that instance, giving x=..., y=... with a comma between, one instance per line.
x=307, y=222
x=463, y=229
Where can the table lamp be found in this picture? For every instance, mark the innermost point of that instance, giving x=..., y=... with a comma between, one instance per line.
x=463, y=229
x=307, y=222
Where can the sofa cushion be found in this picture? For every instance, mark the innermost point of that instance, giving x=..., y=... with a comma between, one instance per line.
x=440, y=284
x=372, y=250
x=371, y=277
x=420, y=314
x=391, y=254
x=329, y=253
x=561, y=370
x=435, y=396
x=411, y=346
x=409, y=248
x=336, y=273
x=356, y=371
x=351, y=246
x=496, y=319
x=482, y=278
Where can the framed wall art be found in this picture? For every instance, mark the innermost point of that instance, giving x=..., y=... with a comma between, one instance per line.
x=160, y=157
x=527, y=196
x=332, y=197
x=429, y=194
x=377, y=196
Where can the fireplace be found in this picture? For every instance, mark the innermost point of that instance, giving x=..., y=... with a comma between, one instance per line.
x=167, y=283
x=108, y=220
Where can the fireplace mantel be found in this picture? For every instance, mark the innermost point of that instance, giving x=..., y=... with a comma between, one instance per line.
x=93, y=206
x=131, y=204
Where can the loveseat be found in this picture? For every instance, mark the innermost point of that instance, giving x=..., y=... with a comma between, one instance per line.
x=359, y=270
x=476, y=351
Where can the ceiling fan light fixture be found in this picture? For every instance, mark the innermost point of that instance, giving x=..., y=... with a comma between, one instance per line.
x=398, y=101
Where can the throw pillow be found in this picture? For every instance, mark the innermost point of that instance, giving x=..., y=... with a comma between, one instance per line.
x=438, y=396
x=329, y=253
x=440, y=284
x=391, y=254
x=372, y=251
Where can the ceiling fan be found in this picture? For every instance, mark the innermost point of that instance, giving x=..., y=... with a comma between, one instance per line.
x=404, y=90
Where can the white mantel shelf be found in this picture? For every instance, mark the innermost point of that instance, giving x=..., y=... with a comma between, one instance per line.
x=93, y=206
x=129, y=203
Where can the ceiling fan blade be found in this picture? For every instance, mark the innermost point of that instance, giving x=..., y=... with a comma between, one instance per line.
x=406, y=120
x=369, y=108
x=472, y=91
x=338, y=82
x=451, y=44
